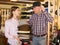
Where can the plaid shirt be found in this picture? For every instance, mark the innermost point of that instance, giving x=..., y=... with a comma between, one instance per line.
x=39, y=23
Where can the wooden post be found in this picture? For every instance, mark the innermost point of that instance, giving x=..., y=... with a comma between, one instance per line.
x=48, y=23
x=53, y=13
x=58, y=5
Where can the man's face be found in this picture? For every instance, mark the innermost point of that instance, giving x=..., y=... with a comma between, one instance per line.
x=17, y=12
x=37, y=9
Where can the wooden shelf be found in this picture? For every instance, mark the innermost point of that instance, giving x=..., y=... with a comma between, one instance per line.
x=23, y=31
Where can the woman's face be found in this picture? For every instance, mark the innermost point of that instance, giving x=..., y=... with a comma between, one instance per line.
x=17, y=12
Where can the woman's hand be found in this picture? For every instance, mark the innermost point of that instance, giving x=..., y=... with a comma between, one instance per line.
x=16, y=37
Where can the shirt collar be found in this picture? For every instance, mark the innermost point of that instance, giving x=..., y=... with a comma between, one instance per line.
x=39, y=14
x=14, y=19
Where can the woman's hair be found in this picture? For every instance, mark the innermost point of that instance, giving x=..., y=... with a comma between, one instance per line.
x=0, y=12
x=13, y=8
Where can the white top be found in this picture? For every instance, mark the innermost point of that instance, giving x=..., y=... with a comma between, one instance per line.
x=11, y=28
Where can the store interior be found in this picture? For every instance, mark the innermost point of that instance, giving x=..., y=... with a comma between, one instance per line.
x=51, y=6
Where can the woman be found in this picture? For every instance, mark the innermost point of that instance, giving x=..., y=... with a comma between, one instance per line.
x=11, y=27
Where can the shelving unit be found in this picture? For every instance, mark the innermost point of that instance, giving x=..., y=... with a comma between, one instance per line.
x=25, y=36
x=55, y=24
x=5, y=15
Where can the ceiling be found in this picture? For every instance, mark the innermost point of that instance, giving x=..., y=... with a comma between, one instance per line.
x=24, y=0
x=18, y=1
x=4, y=0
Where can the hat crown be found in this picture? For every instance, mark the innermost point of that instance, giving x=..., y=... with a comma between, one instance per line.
x=36, y=4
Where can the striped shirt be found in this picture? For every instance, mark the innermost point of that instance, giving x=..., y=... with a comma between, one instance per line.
x=39, y=23
x=11, y=30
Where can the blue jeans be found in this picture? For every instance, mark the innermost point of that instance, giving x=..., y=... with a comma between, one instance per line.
x=39, y=40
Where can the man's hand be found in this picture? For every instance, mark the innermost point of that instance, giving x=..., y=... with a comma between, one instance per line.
x=42, y=8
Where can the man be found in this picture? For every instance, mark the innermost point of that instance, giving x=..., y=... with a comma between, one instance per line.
x=39, y=23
